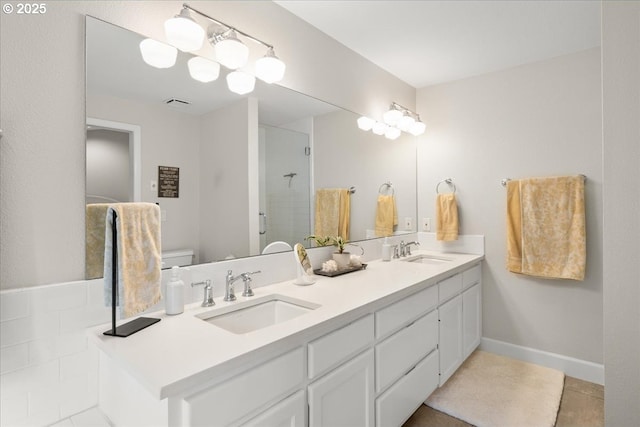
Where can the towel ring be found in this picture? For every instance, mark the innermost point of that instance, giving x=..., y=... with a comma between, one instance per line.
x=388, y=185
x=446, y=181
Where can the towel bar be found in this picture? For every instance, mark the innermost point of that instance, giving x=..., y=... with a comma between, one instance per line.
x=388, y=185
x=504, y=181
x=447, y=181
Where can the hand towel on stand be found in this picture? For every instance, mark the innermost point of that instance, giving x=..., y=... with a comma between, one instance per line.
x=138, y=254
x=94, y=239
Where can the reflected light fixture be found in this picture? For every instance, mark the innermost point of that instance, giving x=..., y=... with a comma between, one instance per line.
x=270, y=68
x=203, y=69
x=183, y=32
x=158, y=54
x=240, y=82
x=395, y=120
x=230, y=51
x=366, y=123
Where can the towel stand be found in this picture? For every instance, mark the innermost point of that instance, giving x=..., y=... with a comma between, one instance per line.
x=448, y=181
x=135, y=325
x=504, y=181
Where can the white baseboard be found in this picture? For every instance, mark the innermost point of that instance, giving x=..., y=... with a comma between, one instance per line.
x=581, y=369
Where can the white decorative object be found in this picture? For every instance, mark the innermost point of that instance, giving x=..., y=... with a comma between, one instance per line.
x=303, y=266
x=342, y=259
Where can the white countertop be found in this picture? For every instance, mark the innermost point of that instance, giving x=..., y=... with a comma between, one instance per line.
x=180, y=352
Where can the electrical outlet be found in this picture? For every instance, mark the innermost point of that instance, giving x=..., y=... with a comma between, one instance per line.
x=408, y=223
x=426, y=224
x=153, y=185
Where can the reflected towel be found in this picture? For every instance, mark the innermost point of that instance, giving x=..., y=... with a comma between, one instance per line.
x=333, y=211
x=446, y=217
x=386, y=215
x=94, y=240
x=139, y=256
x=553, y=227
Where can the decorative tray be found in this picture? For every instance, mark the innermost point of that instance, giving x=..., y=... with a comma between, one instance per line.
x=339, y=272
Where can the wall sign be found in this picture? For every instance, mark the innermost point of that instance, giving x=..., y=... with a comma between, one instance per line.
x=168, y=181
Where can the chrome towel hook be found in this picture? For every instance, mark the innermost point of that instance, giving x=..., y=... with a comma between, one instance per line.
x=448, y=181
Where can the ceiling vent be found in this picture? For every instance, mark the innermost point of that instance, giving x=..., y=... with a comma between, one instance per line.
x=177, y=104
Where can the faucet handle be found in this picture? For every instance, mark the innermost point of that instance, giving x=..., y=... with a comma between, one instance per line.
x=246, y=278
x=208, y=293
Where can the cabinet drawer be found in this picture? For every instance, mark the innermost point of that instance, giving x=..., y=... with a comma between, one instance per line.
x=288, y=413
x=402, y=350
x=397, y=404
x=246, y=392
x=335, y=347
x=450, y=287
x=394, y=316
x=471, y=276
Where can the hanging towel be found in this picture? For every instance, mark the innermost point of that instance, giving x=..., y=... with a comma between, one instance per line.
x=333, y=211
x=139, y=256
x=514, y=227
x=446, y=217
x=553, y=227
x=94, y=240
x=386, y=215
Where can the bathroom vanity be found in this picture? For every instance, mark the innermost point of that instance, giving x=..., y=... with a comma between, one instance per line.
x=366, y=349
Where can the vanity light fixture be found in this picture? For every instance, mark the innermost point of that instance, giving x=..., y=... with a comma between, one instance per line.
x=396, y=119
x=202, y=69
x=240, y=82
x=270, y=68
x=230, y=51
x=158, y=54
x=183, y=32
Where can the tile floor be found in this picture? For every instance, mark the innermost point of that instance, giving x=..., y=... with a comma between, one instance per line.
x=582, y=405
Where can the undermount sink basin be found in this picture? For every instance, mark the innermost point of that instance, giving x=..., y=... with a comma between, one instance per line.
x=249, y=316
x=429, y=259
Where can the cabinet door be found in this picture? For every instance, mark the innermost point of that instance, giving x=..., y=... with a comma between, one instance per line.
x=288, y=413
x=345, y=396
x=472, y=318
x=450, y=328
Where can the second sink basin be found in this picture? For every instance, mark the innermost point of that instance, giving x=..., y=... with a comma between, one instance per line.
x=248, y=316
x=429, y=259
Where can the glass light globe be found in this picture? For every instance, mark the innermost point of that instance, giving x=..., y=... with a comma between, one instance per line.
x=240, y=82
x=392, y=116
x=270, y=68
x=379, y=128
x=365, y=123
x=158, y=54
x=203, y=69
x=405, y=122
x=183, y=32
x=418, y=128
x=231, y=52
x=392, y=133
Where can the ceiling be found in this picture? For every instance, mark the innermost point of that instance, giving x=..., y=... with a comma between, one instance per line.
x=429, y=42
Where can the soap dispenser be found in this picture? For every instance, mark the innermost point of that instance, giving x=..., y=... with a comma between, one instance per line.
x=174, y=301
x=386, y=250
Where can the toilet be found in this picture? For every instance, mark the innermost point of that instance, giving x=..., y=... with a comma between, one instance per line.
x=179, y=257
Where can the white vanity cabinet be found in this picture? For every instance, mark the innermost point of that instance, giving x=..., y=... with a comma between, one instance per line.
x=288, y=413
x=450, y=346
x=342, y=391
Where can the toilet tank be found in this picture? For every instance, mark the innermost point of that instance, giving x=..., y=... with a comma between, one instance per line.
x=179, y=257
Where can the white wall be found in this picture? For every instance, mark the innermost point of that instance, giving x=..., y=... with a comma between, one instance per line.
x=168, y=138
x=621, y=88
x=43, y=114
x=535, y=120
x=364, y=160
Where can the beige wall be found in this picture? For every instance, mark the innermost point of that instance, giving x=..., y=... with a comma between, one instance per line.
x=43, y=97
x=534, y=120
x=621, y=122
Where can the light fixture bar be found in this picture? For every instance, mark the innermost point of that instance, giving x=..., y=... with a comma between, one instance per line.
x=228, y=27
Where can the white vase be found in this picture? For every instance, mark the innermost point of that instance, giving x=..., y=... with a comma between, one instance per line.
x=342, y=259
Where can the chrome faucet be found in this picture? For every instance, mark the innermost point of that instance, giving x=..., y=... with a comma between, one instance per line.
x=405, y=248
x=208, y=293
x=246, y=278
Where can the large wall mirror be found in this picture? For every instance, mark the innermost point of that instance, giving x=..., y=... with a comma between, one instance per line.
x=247, y=166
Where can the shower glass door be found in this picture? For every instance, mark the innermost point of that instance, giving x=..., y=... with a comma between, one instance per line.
x=285, y=182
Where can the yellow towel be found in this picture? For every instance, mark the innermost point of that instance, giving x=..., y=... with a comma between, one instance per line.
x=94, y=240
x=139, y=256
x=553, y=227
x=386, y=215
x=446, y=217
x=514, y=227
x=333, y=211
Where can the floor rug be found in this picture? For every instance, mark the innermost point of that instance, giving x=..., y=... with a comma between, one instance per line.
x=489, y=390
